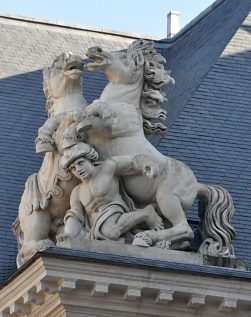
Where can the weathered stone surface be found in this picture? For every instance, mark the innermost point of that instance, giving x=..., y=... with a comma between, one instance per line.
x=136, y=193
x=131, y=250
x=69, y=287
x=133, y=95
x=46, y=197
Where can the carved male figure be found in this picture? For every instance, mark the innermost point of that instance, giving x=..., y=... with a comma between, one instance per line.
x=96, y=203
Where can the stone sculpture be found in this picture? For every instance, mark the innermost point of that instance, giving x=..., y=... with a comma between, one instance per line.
x=135, y=79
x=148, y=194
x=46, y=197
x=97, y=208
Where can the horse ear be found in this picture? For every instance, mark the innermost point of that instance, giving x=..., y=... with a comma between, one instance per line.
x=139, y=60
x=46, y=73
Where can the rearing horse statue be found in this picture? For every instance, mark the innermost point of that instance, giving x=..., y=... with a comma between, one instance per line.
x=121, y=117
x=46, y=197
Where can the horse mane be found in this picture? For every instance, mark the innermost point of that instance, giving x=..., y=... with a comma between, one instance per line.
x=155, y=76
x=47, y=92
x=46, y=84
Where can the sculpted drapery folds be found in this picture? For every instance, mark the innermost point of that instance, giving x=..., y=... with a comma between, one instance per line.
x=133, y=190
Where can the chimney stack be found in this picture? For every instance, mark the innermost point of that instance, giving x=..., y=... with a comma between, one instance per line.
x=173, y=23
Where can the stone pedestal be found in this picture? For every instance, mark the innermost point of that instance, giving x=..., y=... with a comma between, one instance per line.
x=135, y=251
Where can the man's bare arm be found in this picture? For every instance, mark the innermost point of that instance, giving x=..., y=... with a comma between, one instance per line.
x=126, y=165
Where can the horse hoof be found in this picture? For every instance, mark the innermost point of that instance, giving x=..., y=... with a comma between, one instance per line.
x=142, y=239
x=44, y=145
x=68, y=142
x=84, y=235
x=140, y=242
x=83, y=126
x=42, y=245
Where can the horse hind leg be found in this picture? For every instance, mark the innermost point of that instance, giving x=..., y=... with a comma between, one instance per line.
x=35, y=229
x=171, y=209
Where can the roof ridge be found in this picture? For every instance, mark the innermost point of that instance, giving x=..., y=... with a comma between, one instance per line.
x=197, y=19
x=62, y=24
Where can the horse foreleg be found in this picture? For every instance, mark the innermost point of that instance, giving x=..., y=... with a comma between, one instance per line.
x=44, y=142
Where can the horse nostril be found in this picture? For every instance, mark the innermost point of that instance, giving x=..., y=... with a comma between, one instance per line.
x=99, y=50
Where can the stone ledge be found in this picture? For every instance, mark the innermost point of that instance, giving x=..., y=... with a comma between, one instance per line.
x=225, y=262
x=51, y=286
x=131, y=250
x=153, y=253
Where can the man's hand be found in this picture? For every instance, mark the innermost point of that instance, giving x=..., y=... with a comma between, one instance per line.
x=95, y=108
x=100, y=109
x=145, y=165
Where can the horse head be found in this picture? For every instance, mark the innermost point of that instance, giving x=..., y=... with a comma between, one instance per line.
x=119, y=67
x=143, y=64
x=62, y=78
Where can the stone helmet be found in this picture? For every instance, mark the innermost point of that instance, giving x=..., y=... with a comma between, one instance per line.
x=76, y=151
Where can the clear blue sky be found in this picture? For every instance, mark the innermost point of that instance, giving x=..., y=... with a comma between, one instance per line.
x=137, y=16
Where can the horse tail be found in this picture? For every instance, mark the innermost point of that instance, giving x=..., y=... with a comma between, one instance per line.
x=216, y=213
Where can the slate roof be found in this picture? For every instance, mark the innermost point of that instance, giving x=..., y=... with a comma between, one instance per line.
x=211, y=99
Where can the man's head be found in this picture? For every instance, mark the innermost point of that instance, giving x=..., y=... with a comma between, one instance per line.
x=76, y=155
x=82, y=168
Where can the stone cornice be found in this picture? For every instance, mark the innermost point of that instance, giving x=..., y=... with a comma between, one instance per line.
x=52, y=286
